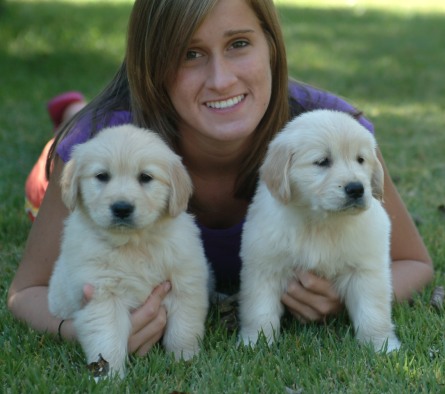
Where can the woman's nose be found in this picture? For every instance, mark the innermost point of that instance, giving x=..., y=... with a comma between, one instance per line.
x=221, y=74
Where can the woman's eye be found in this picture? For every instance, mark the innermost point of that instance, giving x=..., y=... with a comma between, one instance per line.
x=103, y=177
x=240, y=44
x=145, y=178
x=191, y=55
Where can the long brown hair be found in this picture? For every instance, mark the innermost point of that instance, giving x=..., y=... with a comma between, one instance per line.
x=159, y=32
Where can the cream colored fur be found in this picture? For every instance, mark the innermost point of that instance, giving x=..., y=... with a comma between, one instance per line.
x=302, y=219
x=127, y=233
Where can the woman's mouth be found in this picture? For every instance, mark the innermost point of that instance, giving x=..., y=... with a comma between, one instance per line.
x=224, y=104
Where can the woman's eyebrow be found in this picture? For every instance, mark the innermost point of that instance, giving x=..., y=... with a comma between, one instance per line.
x=228, y=33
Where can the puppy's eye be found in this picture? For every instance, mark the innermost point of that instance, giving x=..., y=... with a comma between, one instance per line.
x=360, y=160
x=325, y=162
x=145, y=178
x=103, y=177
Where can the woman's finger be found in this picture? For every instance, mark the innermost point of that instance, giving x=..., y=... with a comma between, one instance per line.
x=317, y=285
x=88, y=291
x=300, y=303
x=301, y=312
x=141, y=342
x=149, y=310
x=149, y=321
x=312, y=298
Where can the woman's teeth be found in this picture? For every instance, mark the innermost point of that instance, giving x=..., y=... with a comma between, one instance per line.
x=225, y=103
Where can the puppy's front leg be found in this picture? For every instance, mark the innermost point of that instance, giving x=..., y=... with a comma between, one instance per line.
x=368, y=300
x=260, y=307
x=186, y=313
x=103, y=327
x=63, y=300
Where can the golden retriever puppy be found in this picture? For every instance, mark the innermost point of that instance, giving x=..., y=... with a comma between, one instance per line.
x=317, y=208
x=128, y=232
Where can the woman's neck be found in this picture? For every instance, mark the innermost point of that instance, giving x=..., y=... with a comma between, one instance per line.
x=207, y=158
x=214, y=169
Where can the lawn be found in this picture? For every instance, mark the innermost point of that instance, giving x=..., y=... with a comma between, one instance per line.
x=386, y=57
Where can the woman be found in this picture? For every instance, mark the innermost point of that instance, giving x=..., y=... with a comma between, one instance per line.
x=210, y=76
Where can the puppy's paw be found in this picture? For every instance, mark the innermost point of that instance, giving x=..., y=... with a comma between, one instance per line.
x=247, y=340
x=393, y=344
x=185, y=355
x=386, y=345
x=251, y=338
x=182, y=351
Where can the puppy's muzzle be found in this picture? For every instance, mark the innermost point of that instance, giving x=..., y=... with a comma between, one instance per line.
x=122, y=212
x=355, y=192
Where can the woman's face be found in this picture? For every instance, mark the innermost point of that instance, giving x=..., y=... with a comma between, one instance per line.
x=223, y=85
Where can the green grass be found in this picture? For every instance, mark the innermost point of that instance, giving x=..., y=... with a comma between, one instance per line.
x=386, y=57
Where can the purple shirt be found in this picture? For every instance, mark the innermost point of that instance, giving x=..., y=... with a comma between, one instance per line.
x=82, y=132
x=221, y=246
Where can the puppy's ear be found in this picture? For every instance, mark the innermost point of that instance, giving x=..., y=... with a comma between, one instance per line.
x=377, y=180
x=69, y=184
x=181, y=188
x=275, y=171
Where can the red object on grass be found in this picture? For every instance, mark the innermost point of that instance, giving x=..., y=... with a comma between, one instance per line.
x=57, y=105
x=36, y=183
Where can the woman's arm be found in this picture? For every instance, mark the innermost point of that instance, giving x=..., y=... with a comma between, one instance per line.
x=412, y=267
x=28, y=293
x=311, y=298
x=27, y=298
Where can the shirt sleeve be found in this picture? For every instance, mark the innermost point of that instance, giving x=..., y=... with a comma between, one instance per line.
x=310, y=98
x=82, y=131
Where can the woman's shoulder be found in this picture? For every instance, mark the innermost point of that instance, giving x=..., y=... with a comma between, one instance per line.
x=86, y=127
x=304, y=98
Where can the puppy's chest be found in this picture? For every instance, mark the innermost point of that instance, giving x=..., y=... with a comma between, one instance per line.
x=328, y=254
x=131, y=273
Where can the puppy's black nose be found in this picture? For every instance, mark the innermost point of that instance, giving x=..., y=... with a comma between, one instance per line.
x=122, y=209
x=354, y=190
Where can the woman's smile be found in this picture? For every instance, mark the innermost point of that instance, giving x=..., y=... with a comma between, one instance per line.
x=225, y=104
x=222, y=88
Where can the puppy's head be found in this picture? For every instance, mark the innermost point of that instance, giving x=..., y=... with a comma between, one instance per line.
x=125, y=178
x=325, y=161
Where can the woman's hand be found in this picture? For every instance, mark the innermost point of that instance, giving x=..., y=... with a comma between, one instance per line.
x=311, y=298
x=148, y=321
